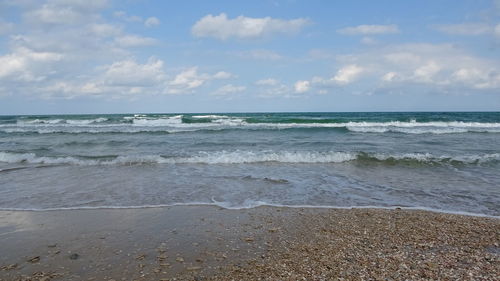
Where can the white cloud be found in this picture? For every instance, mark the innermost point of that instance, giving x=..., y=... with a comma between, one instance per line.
x=134, y=41
x=267, y=82
x=53, y=15
x=272, y=88
x=347, y=74
x=427, y=72
x=221, y=27
x=188, y=80
x=465, y=28
x=260, y=54
x=104, y=29
x=59, y=34
x=437, y=66
x=11, y=64
x=27, y=65
x=86, y=5
x=369, y=29
x=390, y=76
x=126, y=17
x=65, y=11
x=223, y=75
x=228, y=90
x=302, y=86
x=126, y=78
x=151, y=21
x=131, y=73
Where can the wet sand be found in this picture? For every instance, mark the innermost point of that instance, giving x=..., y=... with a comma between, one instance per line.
x=265, y=243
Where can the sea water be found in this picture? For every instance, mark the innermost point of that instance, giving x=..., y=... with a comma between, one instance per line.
x=442, y=161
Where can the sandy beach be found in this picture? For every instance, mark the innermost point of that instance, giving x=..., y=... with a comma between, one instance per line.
x=265, y=243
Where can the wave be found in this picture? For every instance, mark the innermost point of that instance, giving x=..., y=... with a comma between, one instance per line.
x=58, y=122
x=164, y=121
x=219, y=122
x=248, y=157
x=210, y=116
x=423, y=130
x=251, y=204
x=86, y=122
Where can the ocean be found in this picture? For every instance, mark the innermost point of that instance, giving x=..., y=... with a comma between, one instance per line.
x=428, y=160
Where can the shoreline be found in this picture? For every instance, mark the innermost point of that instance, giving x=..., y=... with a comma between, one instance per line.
x=200, y=242
x=425, y=209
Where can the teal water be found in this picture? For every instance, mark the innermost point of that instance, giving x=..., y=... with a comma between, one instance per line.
x=445, y=161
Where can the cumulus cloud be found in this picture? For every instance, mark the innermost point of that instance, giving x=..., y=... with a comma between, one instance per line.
x=104, y=29
x=259, y=54
x=126, y=17
x=130, y=73
x=134, y=41
x=465, y=28
x=302, y=86
x=116, y=80
x=228, y=89
x=65, y=11
x=273, y=88
x=151, y=21
x=59, y=34
x=223, y=75
x=27, y=65
x=369, y=29
x=439, y=66
x=189, y=80
x=221, y=27
x=267, y=82
x=344, y=76
x=347, y=74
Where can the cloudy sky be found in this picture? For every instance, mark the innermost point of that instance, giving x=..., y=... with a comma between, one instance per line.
x=110, y=56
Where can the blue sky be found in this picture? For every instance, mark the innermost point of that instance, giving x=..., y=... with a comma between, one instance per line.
x=104, y=56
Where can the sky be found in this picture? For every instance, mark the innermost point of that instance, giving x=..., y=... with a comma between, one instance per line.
x=145, y=56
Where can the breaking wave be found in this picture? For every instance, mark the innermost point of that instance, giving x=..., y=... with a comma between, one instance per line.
x=247, y=157
x=181, y=123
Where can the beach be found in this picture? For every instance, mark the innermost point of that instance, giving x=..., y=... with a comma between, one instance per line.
x=263, y=243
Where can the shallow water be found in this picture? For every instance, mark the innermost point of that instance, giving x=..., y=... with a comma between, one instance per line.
x=444, y=161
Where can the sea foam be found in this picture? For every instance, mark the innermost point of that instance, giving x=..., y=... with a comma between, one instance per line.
x=247, y=157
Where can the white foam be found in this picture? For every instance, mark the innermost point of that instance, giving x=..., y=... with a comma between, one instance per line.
x=427, y=157
x=164, y=121
x=236, y=157
x=244, y=157
x=221, y=122
x=39, y=121
x=209, y=116
x=250, y=204
x=86, y=121
x=33, y=159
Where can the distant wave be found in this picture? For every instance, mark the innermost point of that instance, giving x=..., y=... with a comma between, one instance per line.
x=181, y=123
x=244, y=157
x=46, y=122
